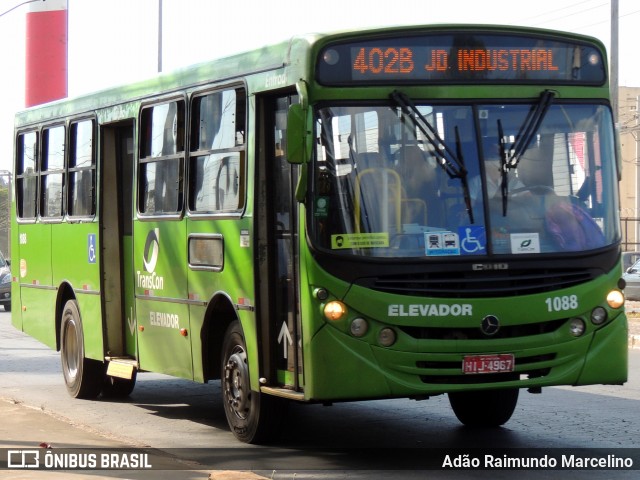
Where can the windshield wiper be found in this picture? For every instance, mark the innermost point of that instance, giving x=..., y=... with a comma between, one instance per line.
x=451, y=162
x=445, y=157
x=530, y=127
x=510, y=157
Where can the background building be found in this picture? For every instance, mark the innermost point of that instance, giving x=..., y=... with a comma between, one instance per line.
x=629, y=98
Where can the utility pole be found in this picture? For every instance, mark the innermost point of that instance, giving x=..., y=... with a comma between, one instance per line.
x=159, y=36
x=613, y=67
x=635, y=163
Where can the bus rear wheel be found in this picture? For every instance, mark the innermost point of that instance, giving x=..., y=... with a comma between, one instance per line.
x=82, y=376
x=252, y=416
x=486, y=408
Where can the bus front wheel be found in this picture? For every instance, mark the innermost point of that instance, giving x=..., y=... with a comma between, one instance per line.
x=82, y=376
x=487, y=408
x=252, y=416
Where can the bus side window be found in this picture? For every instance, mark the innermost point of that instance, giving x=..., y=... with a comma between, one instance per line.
x=162, y=158
x=82, y=170
x=27, y=175
x=52, y=172
x=217, y=153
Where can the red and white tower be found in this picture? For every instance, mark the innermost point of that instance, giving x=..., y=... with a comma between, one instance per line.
x=46, y=52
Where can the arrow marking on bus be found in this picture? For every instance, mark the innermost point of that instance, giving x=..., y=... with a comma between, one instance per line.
x=284, y=334
x=131, y=322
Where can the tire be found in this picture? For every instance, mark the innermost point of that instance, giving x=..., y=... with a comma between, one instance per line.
x=252, y=416
x=7, y=307
x=82, y=376
x=115, y=387
x=487, y=408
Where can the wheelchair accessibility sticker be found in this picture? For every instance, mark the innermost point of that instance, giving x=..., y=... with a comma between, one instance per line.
x=473, y=240
x=91, y=248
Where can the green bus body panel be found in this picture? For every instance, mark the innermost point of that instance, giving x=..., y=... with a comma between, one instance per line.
x=161, y=293
x=44, y=257
x=609, y=348
x=37, y=293
x=70, y=247
x=235, y=278
x=37, y=318
x=35, y=254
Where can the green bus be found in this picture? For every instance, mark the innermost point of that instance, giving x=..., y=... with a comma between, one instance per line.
x=388, y=213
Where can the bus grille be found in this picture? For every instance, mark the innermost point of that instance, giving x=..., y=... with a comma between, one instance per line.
x=474, y=333
x=482, y=284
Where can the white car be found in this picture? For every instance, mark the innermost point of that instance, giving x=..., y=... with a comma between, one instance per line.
x=5, y=284
x=632, y=279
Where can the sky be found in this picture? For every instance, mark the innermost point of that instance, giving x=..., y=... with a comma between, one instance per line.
x=114, y=42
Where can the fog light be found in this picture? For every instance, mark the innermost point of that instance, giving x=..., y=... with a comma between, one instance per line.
x=359, y=327
x=321, y=294
x=386, y=337
x=577, y=327
x=615, y=299
x=598, y=316
x=335, y=310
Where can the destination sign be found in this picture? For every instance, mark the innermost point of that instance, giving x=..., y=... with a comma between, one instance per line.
x=461, y=58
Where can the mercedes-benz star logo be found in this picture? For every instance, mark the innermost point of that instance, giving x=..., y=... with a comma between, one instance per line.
x=490, y=325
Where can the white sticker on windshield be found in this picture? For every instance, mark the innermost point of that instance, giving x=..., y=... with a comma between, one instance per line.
x=525, y=243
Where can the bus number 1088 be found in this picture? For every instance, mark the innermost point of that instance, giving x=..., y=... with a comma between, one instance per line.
x=560, y=304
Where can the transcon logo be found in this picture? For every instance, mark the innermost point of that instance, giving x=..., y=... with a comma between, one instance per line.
x=149, y=279
x=151, y=250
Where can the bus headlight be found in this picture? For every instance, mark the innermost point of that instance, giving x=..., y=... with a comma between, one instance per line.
x=359, y=327
x=577, y=327
x=598, y=316
x=386, y=337
x=335, y=310
x=615, y=299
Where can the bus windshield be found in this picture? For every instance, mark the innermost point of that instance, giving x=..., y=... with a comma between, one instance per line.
x=440, y=180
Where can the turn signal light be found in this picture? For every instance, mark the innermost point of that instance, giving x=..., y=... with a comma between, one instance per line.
x=615, y=299
x=335, y=310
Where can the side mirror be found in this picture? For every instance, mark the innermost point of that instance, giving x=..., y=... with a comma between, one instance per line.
x=299, y=135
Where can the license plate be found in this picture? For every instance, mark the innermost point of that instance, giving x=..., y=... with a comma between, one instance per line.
x=504, y=362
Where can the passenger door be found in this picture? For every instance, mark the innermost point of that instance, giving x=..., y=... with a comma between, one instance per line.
x=277, y=227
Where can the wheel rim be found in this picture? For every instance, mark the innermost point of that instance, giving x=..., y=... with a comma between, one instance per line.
x=236, y=383
x=70, y=350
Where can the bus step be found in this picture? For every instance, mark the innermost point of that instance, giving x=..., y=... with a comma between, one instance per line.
x=121, y=367
x=283, y=392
